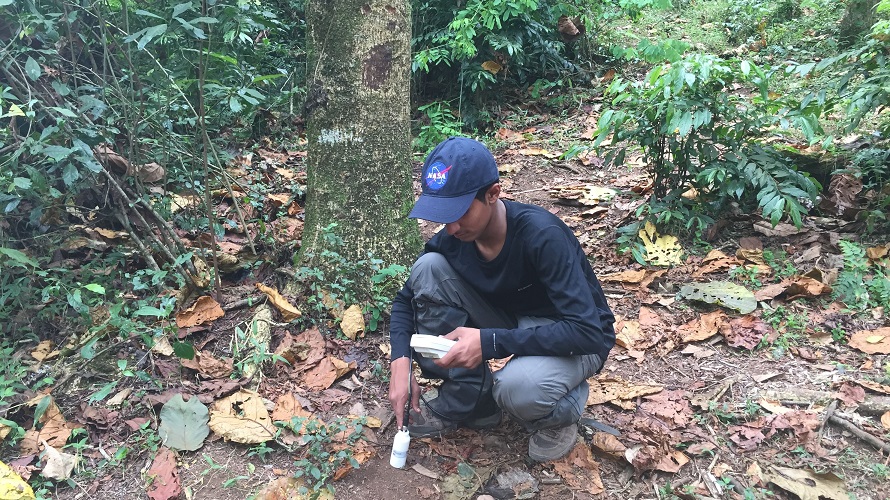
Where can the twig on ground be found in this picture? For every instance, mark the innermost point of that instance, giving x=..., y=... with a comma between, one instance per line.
x=861, y=434
x=828, y=414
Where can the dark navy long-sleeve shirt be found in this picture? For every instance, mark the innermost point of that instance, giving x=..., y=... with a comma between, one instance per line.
x=541, y=271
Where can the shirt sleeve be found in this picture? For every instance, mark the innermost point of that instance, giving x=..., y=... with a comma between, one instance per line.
x=401, y=324
x=581, y=326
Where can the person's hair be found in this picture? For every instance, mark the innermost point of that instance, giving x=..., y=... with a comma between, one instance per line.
x=480, y=195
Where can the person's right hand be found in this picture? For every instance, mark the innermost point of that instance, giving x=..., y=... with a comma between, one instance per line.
x=398, y=389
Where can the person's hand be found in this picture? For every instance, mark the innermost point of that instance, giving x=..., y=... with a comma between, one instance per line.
x=466, y=353
x=398, y=389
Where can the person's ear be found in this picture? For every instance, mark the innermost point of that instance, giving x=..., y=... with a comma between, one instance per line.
x=493, y=193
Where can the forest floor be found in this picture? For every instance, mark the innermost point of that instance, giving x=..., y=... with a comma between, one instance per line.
x=707, y=401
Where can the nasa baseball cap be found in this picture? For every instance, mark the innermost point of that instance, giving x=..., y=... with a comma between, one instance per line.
x=452, y=175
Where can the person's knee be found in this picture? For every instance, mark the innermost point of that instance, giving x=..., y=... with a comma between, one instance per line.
x=522, y=399
x=429, y=264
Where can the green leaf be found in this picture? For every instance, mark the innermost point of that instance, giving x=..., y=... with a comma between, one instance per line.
x=103, y=392
x=70, y=174
x=88, y=351
x=32, y=69
x=41, y=407
x=179, y=9
x=235, y=104
x=184, y=350
x=18, y=256
x=95, y=287
x=4, y=3
x=64, y=112
x=22, y=182
x=184, y=423
x=746, y=68
x=57, y=153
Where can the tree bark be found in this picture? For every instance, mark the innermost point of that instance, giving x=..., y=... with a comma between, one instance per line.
x=358, y=130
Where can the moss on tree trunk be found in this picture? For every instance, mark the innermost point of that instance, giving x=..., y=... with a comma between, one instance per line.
x=358, y=129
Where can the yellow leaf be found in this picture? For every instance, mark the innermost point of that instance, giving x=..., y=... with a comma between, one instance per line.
x=12, y=487
x=492, y=67
x=353, y=322
x=661, y=250
x=287, y=310
x=875, y=339
x=44, y=351
x=885, y=420
x=242, y=418
x=15, y=110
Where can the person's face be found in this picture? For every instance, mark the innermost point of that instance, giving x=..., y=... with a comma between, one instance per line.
x=473, y=223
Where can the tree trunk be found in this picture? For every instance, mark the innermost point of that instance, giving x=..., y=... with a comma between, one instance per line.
x=358, y=129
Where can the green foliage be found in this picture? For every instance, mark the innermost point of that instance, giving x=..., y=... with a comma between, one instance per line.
x=790, y=326
x=697, y=127
x=336, y=280
x=861, y=285
x=438, y=123
x=326, y=449
x=517, y=41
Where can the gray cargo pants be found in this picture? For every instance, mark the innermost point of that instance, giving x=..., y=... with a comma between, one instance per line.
x=540, y=392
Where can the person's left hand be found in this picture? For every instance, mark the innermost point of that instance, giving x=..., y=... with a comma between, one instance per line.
x=466, y=353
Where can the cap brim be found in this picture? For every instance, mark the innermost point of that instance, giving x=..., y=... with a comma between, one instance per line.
x=441, y=210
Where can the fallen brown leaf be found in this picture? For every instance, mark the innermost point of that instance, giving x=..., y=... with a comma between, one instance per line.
x=287, y=310
x=580, y=471
x=163, y=476
x=242, y=418
x=204, y=309
x=703, y=328
x=871, y=341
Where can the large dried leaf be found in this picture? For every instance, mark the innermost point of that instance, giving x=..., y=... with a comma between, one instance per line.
x=661, y=250
x=878, y=252
x=287, y=310
x=287, y=407
x=722, y=293
x=183, y=423
x=580, y=471
x=885, y=420
x=715, y=261
x=609, y=445
x=57, y=465
x=808, y=485
x=703, y=327
x=44, y=351
x=584, y=194
x=629, y=276
x=12, y=487
x=326, y=372
x=353, y=322
x=208, y=366
x=792, y=288
x=203, y=310
x=746, y=331
x=671, y=407
x=163, y=476
x=51, y=427
x=617, y=391
x=872, y=341
x=242, y=418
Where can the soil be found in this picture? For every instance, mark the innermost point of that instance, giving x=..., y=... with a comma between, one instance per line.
x=223, y=471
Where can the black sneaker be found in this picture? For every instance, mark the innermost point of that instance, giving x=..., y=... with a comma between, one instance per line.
x=428, y=424
x=552, y=444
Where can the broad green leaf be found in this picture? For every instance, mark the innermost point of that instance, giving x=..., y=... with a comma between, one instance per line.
x=179, y=9
x=746, y=68
x=70, y=174
x=722, y=293
x=88, y=351
x=57, y=153
x=32, y=69
x=235, y=104
x=22, y=182
x=102, y=393
x=64, y=112
x=184, y=350
x=18, y=256
x=95, y=287
x=183, y=423
x=42, y=406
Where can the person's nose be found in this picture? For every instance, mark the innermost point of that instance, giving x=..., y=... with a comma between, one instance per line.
x=452, y=228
